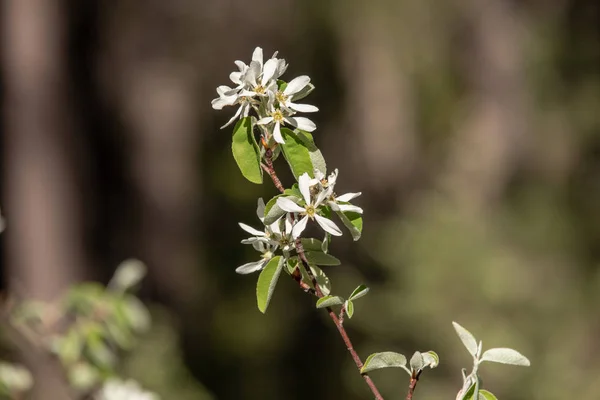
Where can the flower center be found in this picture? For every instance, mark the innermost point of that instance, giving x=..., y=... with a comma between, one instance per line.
x=277, y=116
x=310, y=211
x=260, y=89
x=281, y=98
x=267, y=255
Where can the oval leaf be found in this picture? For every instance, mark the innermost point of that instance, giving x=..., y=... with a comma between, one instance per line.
x=296, y=154
x=349, y=309
x=352, y=221
x=386, y=359
x=316, y=157
x=359, y=292
x=246, y=152
x=322, y=279
x=267, y=281
x=329, y=301
x=416, y=361
x=505, y=356
x=128, y=274
x=320, y=258
x=467, y=338
x=311, y=244
x=272, y=211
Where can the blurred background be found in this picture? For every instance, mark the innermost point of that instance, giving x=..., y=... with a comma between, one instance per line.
x=472, y=127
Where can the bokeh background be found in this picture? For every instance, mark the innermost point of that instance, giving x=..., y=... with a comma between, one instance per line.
x=472, y=127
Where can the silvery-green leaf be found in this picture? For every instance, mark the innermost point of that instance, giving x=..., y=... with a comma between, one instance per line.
x=353, y=222
x=349, y=308
x=315, y=154
x=467, y=338
x=272, y=211
x=296, y=154
x=416, y=361
x=430, y=359
x=329, y=301
x=319, y=258
x=505, y=356
x=359, y=292
x=386, y=359
x=322, y=279
x=267, y=281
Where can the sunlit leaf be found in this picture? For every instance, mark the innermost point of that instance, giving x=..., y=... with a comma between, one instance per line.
x=246, y=151
x=359, y=292
x=329, y=301
x=316, y=157
x=296, y=153
x=267, y=282
x=386, y=359
x=505, y=356
x=430, y=359
x=349, y=308
x=416, y=361
x=353, y=222
x=272, y=211
x=467, y=338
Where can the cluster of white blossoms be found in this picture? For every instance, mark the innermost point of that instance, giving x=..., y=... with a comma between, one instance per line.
x=258, y=88
x=115, y=389
x=316, y=194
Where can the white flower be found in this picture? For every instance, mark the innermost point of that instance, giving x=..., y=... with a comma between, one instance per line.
x=115, y=389
x=261, y=79
x=334, y=200
x=281, y=116
x=294, y=87
x=274, y=236
x=310, y=208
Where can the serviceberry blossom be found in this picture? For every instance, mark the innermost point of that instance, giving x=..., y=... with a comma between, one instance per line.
x=337, y=203
x=276, y=236
x=257, y=88
x=311, y=201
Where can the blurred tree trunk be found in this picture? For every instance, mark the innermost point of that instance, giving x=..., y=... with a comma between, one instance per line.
x=43, y=234
x=490, y=142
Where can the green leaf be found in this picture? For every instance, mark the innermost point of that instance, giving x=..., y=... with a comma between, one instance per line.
x=100, y=354
x=281, y=85
x=505, y=356
x=320, y=258
x=349, y=308
x=272, y=211
x=246, y=151
x=467, y=338
x=311, y=244
x=431, y=359
x=386, y=359
x=352, y=221
x=359, y=292
x=329, y=301
x=416, y=361
x=128, y=274
x=485, y=395
x=316, y=157
x=296, y=154
x=267, y=282
x=322, y=279
x=69, y=346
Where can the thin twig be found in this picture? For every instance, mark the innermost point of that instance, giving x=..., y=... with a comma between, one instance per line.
x=413, y=385
x=317, y=291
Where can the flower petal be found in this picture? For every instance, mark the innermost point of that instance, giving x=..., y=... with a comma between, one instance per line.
x=348, y=196
x=251, y=230
x=302, y=123
x=299, y=227
x=323, y=194
x=288, y=205
x=237, y=114
x=296, y=85
x=304, y=186
x=328, y=225
x=350, y=208
x=264, y=121
x=269, y=70
x=257, y=55
x=302, y=107
x=250, y=267
x=277, y=133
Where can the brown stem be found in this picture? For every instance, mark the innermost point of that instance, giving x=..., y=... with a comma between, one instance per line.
x=317, y=291
x=413, y=385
